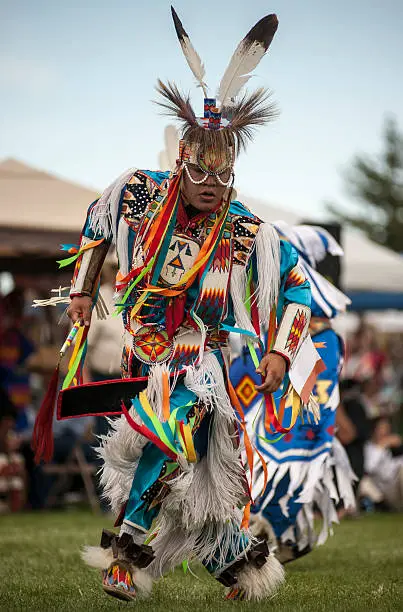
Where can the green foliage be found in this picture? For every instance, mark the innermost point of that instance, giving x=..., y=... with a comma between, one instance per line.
x=377, y=186
x=358, y=569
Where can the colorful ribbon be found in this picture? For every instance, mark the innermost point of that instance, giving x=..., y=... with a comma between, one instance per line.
x=69, y=260
x=172, y=436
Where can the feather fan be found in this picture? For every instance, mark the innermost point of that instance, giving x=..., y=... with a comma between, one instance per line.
x=245, y=58
x=190, y=53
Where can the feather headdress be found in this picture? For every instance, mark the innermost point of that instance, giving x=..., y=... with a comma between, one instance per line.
x=231, y=123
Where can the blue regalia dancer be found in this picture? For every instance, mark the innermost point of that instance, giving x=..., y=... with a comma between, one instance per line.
x=194, y=264
x=307, y=465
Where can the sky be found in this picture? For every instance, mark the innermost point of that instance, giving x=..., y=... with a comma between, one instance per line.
x=77, y=79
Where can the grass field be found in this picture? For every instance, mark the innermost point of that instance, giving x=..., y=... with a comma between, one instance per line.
x=360, y=568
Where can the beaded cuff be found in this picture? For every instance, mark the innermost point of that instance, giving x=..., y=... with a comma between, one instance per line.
x=292, y=331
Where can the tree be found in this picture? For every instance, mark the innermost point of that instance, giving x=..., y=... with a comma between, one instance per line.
x=377, y=185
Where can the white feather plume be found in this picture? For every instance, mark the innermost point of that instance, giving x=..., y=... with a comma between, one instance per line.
x=190, y=53
x=246, y=57
x=236, y=76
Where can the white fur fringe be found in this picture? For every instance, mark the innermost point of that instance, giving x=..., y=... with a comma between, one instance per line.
x=263, y=582
x=120, y=451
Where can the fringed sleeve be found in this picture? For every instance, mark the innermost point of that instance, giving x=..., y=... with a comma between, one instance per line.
x=100, y=230
x=294, y=311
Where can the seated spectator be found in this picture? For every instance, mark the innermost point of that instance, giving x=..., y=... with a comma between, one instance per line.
x=353, y=426
x=15, y=348
x=12, y=472
x=383, y=456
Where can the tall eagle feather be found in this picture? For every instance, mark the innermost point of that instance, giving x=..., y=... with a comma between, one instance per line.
x=190, y=53
x=246, y=57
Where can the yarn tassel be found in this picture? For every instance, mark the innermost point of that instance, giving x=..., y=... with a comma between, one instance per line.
x=42, y=436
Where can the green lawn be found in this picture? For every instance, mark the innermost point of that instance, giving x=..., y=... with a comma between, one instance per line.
x=360, y=568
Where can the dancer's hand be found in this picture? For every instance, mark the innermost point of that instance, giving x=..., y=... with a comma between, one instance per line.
x=80, y=308
x=272, y=368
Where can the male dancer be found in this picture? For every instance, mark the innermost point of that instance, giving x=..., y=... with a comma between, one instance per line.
x=192, y=265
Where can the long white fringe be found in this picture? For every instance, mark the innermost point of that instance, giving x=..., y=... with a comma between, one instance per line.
x=120, y=451
x=122, y=244
x=238, y=296
x=105, y=212
x=220, y=475
x=267, y=245
x=200, y=516
x=214, y=541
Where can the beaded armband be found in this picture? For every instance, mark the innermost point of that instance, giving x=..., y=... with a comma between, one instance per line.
x=292, y=331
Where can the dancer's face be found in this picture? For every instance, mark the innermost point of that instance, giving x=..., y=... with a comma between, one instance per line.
x=205, y=179
x=205, y=196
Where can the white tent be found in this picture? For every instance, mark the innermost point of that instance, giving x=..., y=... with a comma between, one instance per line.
x=370, y=266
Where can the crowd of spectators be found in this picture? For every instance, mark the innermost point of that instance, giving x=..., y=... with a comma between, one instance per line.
x=30, y=341
x=369, y=417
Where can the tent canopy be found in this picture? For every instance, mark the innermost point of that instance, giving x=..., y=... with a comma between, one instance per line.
x=31, y=199
x=38, y=212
